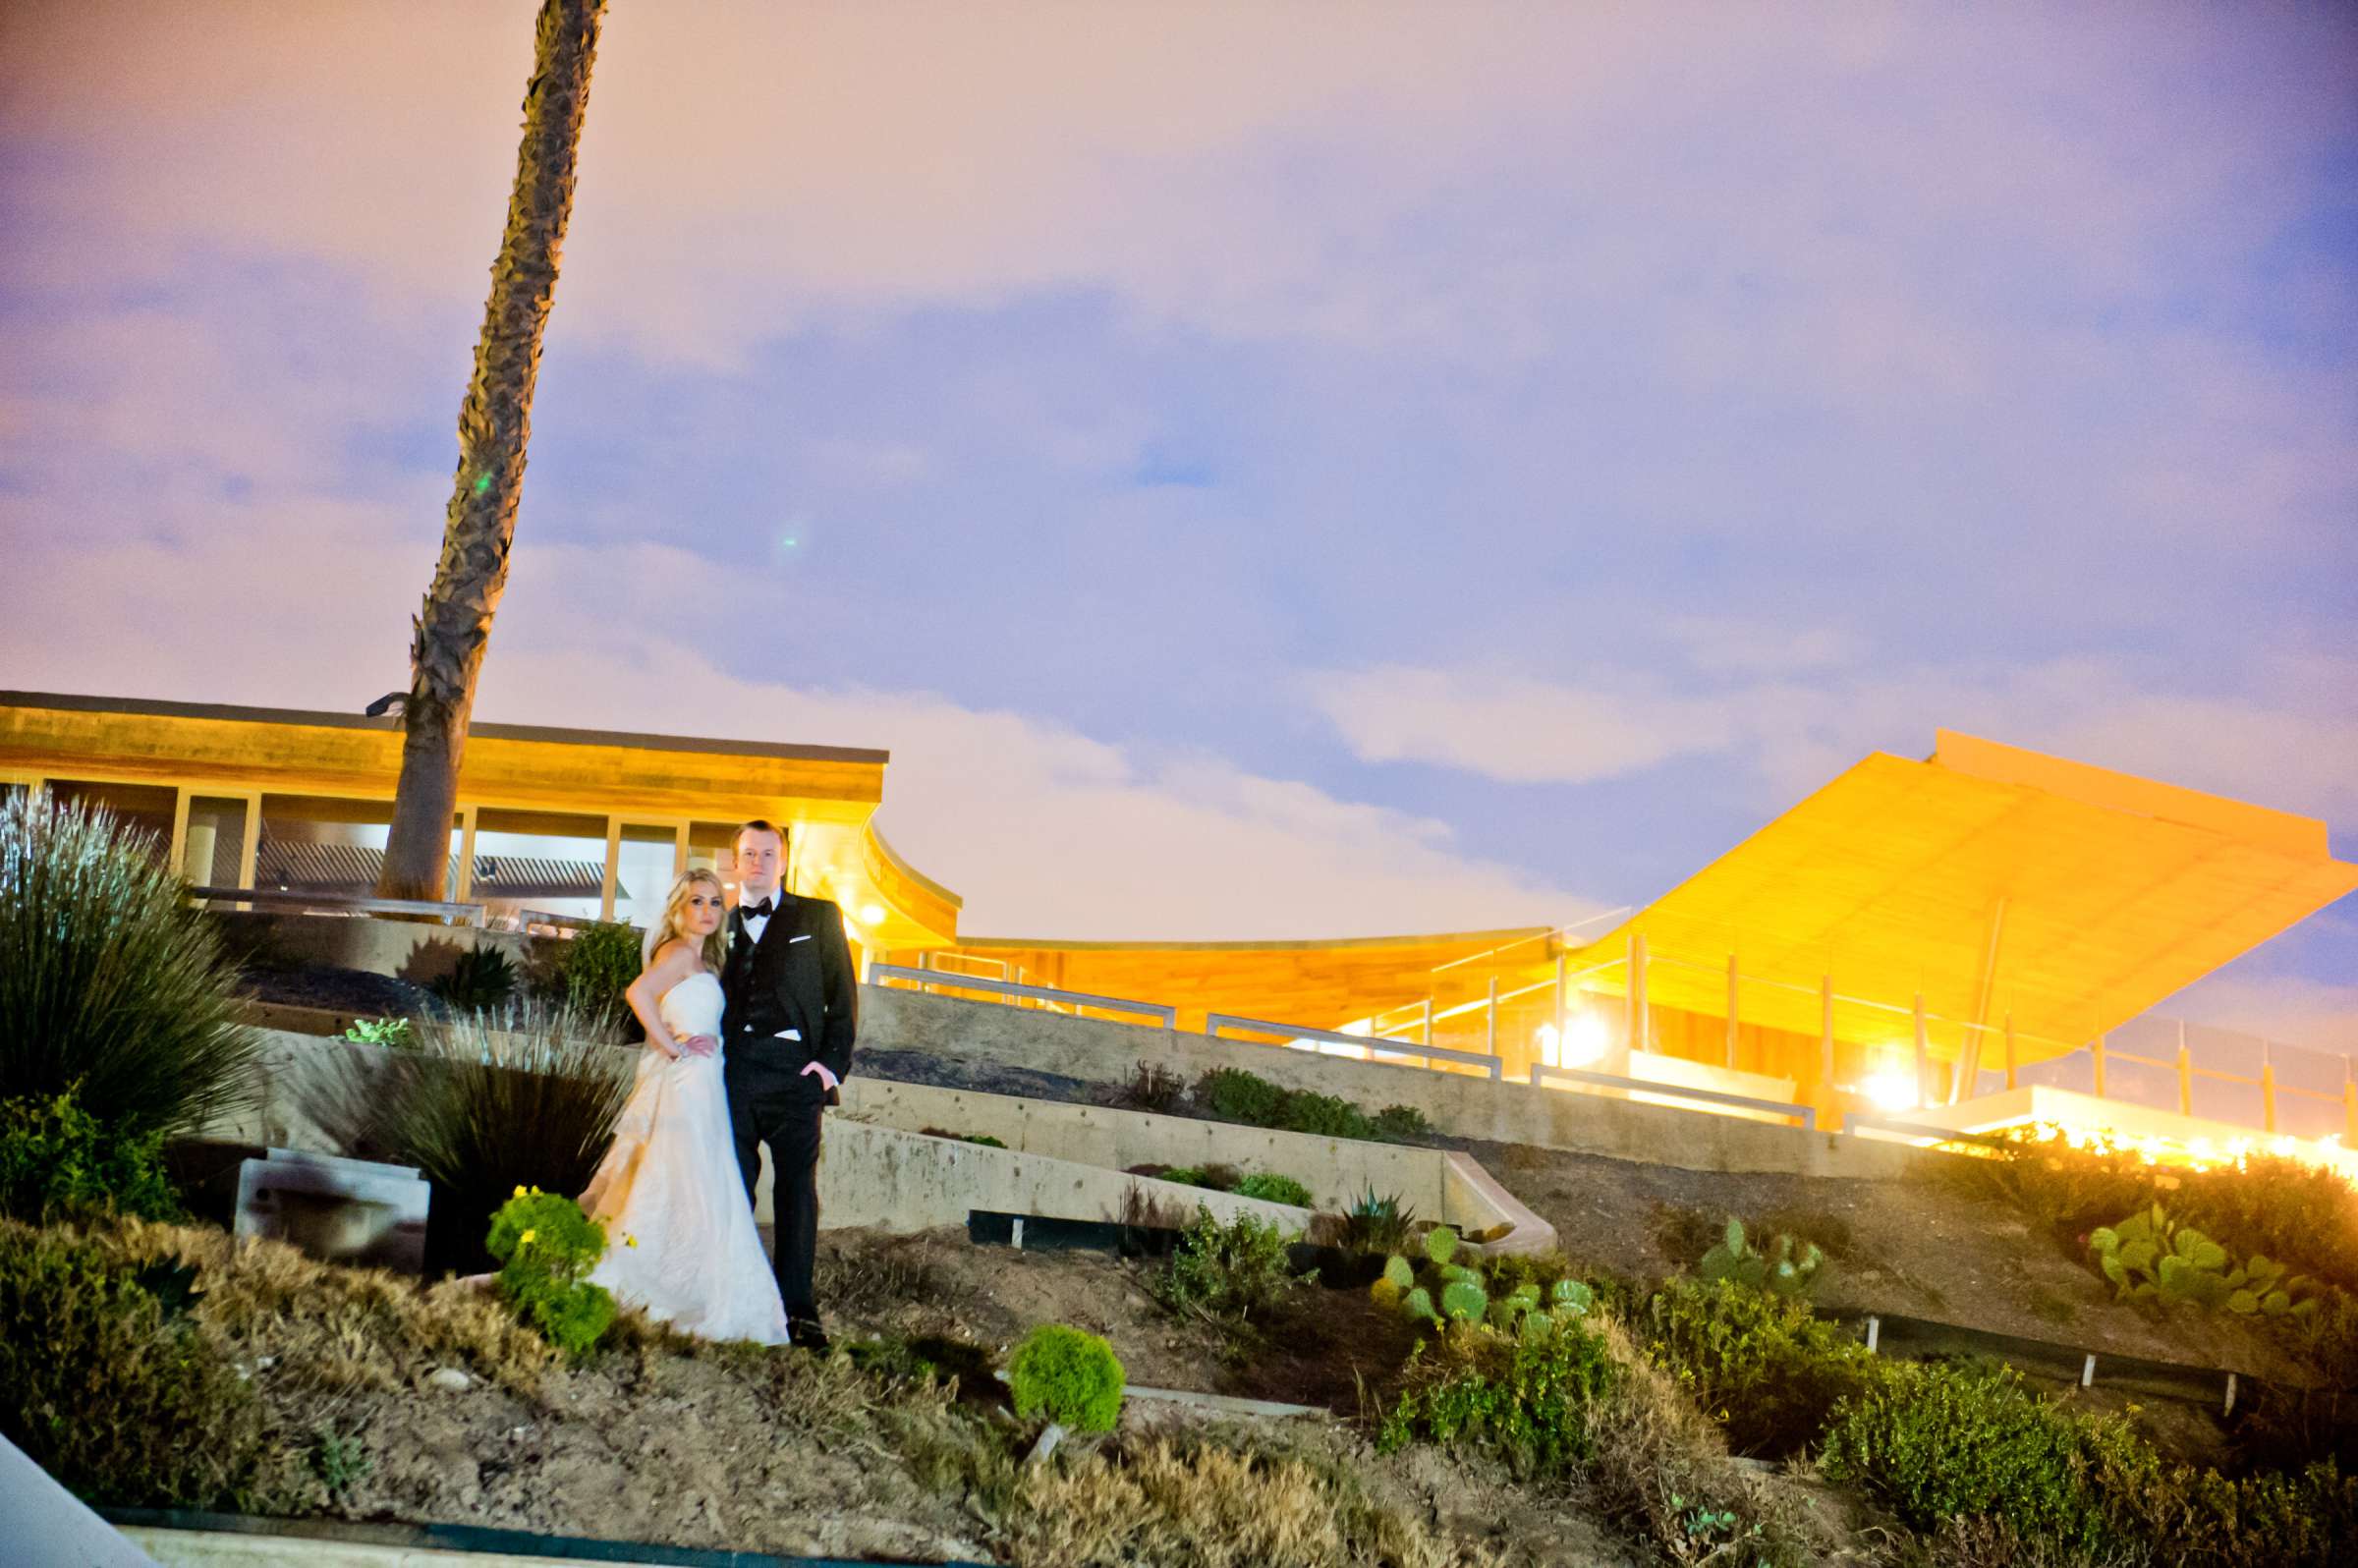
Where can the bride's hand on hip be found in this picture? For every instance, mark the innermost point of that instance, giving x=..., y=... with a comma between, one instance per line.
x=700, y=1044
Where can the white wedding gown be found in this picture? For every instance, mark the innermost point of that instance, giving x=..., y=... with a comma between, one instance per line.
x=680, y=1236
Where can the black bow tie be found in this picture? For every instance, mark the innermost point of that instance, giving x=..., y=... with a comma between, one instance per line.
x=755, y=911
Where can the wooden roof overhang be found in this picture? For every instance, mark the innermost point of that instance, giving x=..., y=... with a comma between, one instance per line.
x=1995, y=882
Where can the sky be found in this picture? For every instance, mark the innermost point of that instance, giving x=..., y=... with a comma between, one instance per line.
x=1267, y=470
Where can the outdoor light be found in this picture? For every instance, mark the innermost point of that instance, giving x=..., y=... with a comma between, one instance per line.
x=872, y=913
x=1890, y=1090
x=1585, y=1039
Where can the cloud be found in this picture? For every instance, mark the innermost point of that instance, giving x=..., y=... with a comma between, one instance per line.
x=2290, y=742
x=1044, y=830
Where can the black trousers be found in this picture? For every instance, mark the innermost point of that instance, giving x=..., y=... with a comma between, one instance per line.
x=771, y=1105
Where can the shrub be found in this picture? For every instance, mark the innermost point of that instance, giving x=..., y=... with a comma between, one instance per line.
x=1271, y=1188
x=1324, y=1116
x=547, y=1247
x=1940, y=1442
x=1762, y=1366
x=596, y=967
x=1400, y=1124
x=1526, y=1397
x=1154, y=1088
x=1070, y=1376
x=124, y=1402
x=1235, y=1095
x=484, y=978
x=395, y=1032
x=109, y=984
x=57, y=1161
x=487, y=1103
x=1229, y=1273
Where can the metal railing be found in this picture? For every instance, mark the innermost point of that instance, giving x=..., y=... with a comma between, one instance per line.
x=1213, y=1023
x=1906, y=1129
x=945, y=980
x=337, y=903
x=1807, y=1115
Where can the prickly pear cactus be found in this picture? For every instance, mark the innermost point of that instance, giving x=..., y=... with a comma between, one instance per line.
x=1417, y=1305
x=1571, y=1296
x=1384, y=1293
x=1441, y=1244
x=1464, y=1300
x=1399, y=1271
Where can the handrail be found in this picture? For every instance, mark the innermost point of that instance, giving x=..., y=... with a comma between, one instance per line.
x=1946, y=1134
x=952, y=982
x=1540, y=1072
x=355, y=903
x=1216, y=1021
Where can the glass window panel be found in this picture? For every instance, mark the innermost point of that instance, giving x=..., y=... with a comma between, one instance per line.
x=322, y=843
x=713, y=846
x=643, y=876
x=539, y=863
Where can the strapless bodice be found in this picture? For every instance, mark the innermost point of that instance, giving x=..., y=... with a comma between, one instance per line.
x=693, y=1006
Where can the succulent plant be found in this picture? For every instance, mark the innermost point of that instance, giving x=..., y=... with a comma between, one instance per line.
x=1571, y=1296
x=2149, y=1256
x=1399, y=1271
x=1386, y=1294
x=1464, y=1300
x=1785, y=1269
x=1417, y=1305
x=1441, y=1244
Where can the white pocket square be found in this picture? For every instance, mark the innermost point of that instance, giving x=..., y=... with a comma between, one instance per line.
x=791, y=940
x=789, y=1034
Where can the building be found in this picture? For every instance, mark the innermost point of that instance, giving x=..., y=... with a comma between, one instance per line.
x=1926, y=937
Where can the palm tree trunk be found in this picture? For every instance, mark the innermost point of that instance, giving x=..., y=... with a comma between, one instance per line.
x=447, y=652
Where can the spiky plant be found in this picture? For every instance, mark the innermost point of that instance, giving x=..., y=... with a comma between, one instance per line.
x=523, y=1096
x=108, y=980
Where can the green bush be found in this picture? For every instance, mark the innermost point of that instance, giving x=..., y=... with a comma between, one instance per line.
x=124, y=1401
x=1325, y=1115
x=596, y=967
x=1526, y=1397
x=1070, y=1376
x=56, y=1161
x=1941, y=1441
x=1231, y=1094
x=482, y=980
x=1235, y=1095
x=109, y=984
x=1271, y=1188
x=1762, y=1366
x=394, y=1033
x=487, y=1103
x=1233, y=1273
x=547, y=1247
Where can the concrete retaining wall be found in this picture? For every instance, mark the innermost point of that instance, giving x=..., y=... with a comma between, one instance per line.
x=1066, y=1162
x=1460, y=1104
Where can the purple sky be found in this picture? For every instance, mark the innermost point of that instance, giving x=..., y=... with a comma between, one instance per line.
x=1289, y=470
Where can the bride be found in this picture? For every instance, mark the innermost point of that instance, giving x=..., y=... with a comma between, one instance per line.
x=670, y=1187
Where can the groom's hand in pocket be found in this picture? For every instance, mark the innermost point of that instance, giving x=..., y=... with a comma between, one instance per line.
x=700, y=1044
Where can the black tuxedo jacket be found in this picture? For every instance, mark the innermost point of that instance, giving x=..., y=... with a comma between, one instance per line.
x=798, y=977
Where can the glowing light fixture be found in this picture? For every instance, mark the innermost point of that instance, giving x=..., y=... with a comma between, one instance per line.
x=872, y=913
x=1890, y=1090
x=1585, y=1039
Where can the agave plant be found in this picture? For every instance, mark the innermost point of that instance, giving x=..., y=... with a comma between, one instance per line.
x=524, y=1096
x=108, y=980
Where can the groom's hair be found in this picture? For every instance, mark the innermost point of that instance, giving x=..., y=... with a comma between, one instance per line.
x=758, y=825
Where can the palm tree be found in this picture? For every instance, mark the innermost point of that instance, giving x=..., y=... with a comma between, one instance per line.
x=446, y=653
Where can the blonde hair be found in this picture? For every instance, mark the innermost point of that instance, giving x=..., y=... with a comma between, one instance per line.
x=674, y=922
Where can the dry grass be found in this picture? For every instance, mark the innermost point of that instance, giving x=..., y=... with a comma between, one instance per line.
x=1194, y=1505
x=330, y=1329
x=865, y=1281
x=1662, y=1466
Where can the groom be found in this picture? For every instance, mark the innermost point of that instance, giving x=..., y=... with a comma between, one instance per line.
x=793, y=1008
